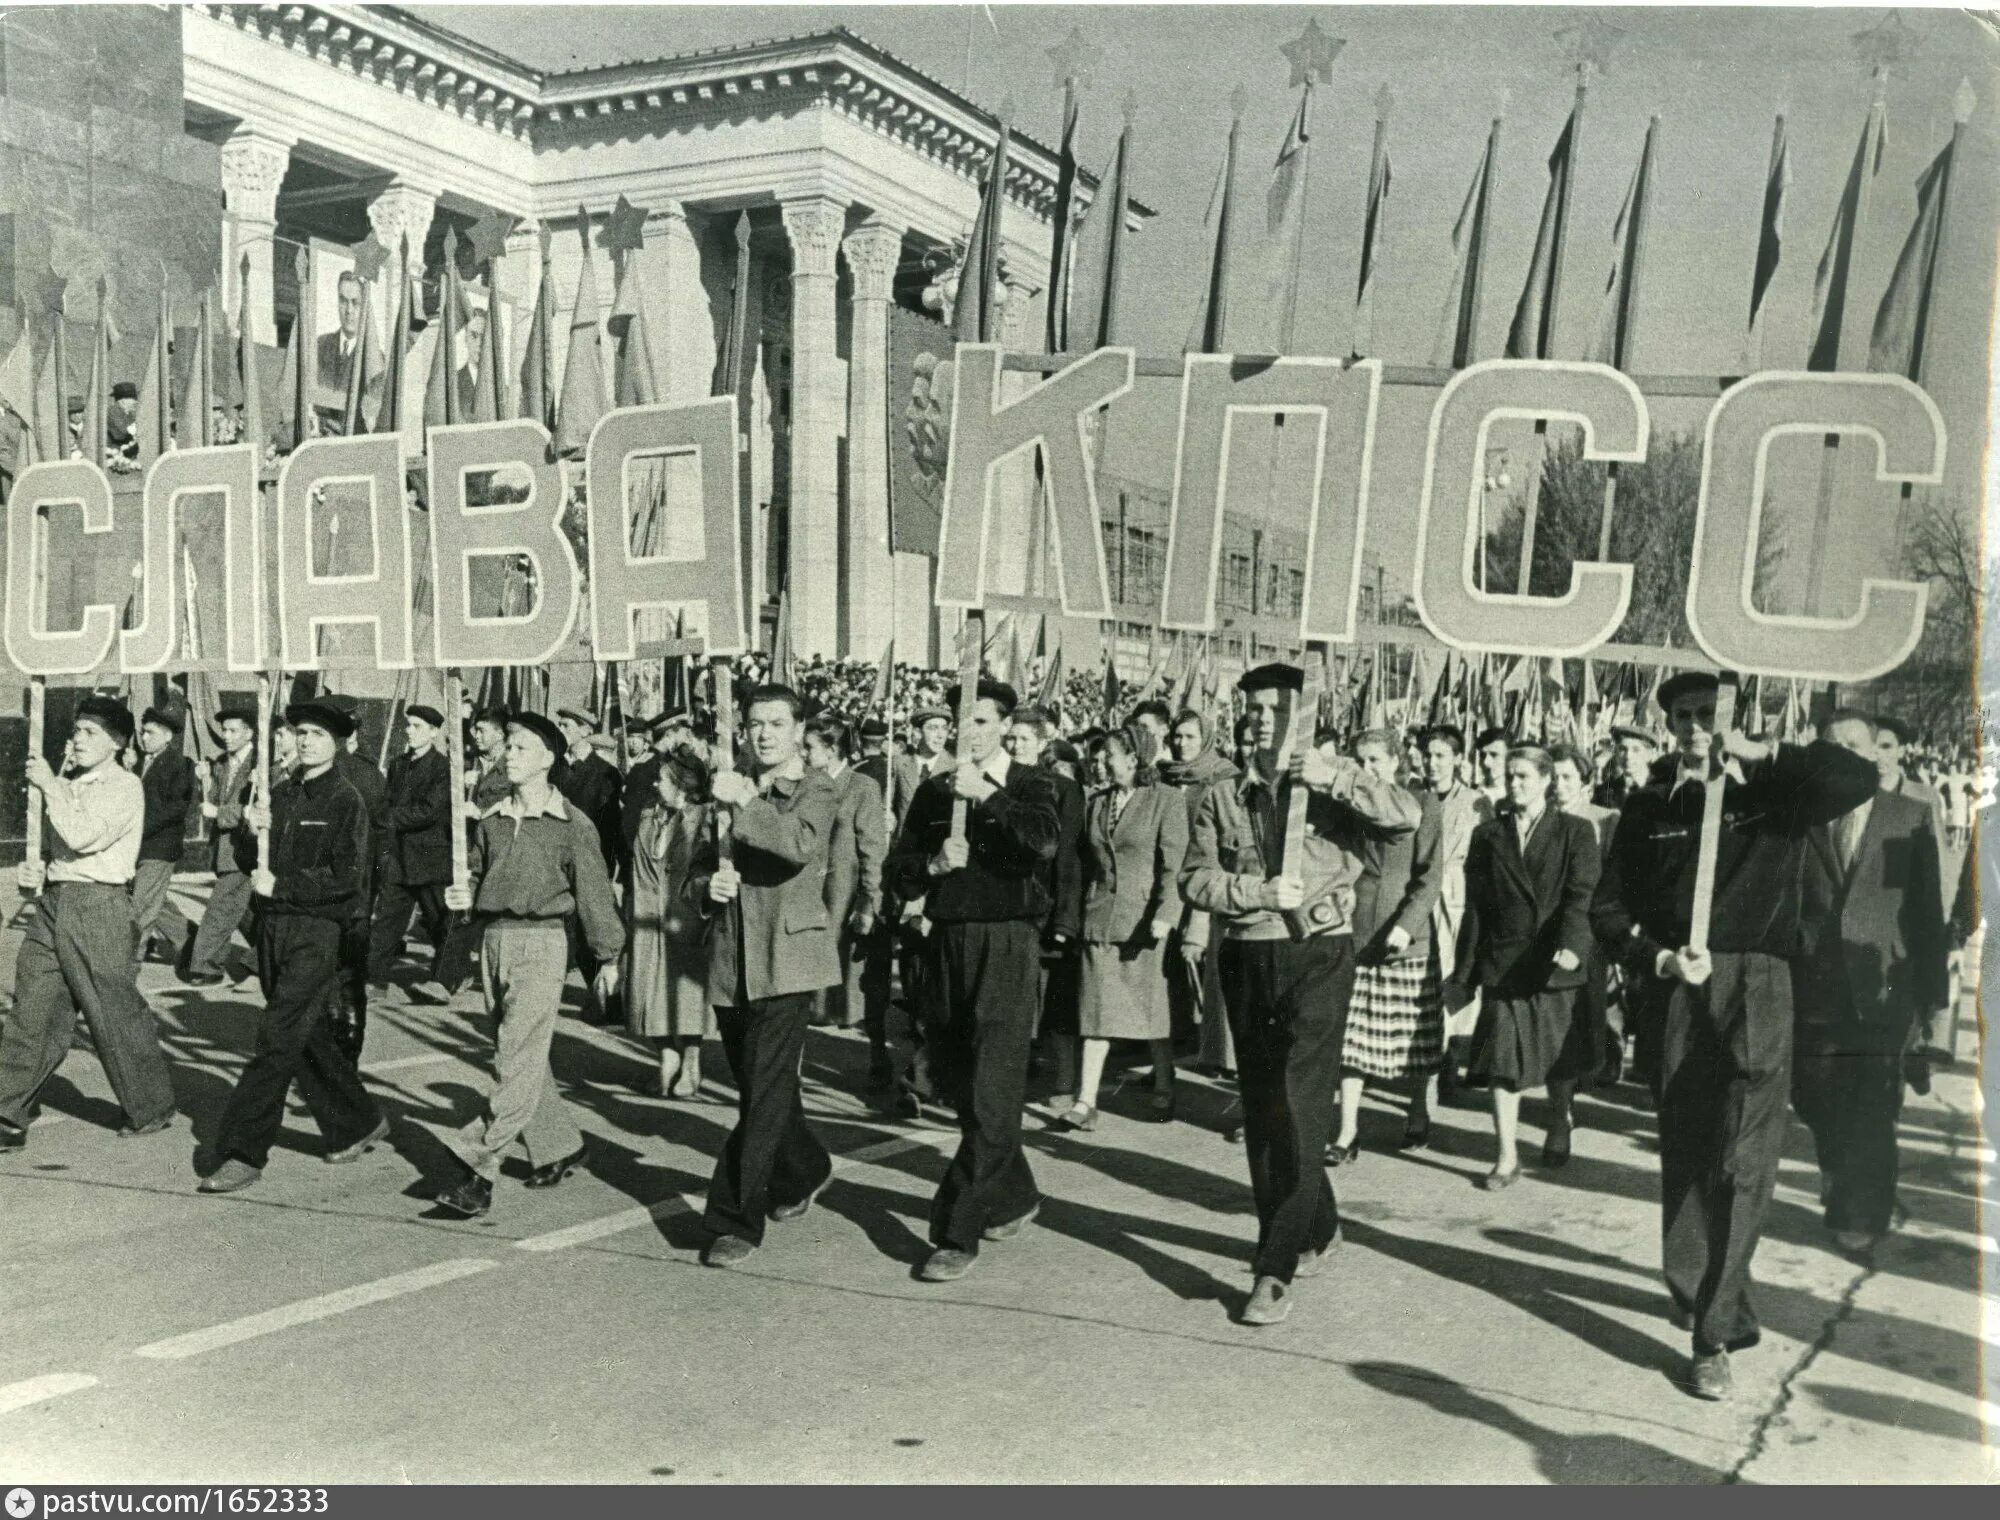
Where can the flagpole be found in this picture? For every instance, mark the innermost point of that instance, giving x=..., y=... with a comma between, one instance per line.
x=1288, y=324
x=1753, y=358
x=1626, y=319
x=1538, y=444
x=1371, y=248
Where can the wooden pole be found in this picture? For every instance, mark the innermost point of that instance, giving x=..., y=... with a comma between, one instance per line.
x=971, y=644
x=1711, y=821
x=454, y=739
x=1292, y=855
x=725, y=755
x=263, y=772
x=37, y=723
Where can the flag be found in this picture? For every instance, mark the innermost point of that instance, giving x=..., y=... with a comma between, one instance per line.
x=538, y=388
x=17, y=376
x=632, y=360
x=1212, y=319
x=1532, y=334
x=1771, y=227
x=1830, y=277
x=781, y=641
x=300, y=357
x=247, y=378
x=198, y=404
x=51, y=414
x=1100, y=257
x=885, y=674
x=1619, y=310
x=362, y=373
x=1056, y=333
x=1457, y=325
x=97, y=399
x=203, y=696
x=583, y=398
x=1902, y=321
x=1049, y=698
x=1284, y=219
x=1111, y=688
x=442, y=402
x=394, y=396
x=975, y=314
x=1371, y=229
x=489, y=393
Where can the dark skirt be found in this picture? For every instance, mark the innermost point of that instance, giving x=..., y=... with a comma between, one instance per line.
x=1587, y=1050
x=1520, y=1039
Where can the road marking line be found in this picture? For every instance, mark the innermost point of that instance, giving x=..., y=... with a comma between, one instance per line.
x=286, y=1316
x=402, y=1063
x=36, y=1390
x=610, y=1224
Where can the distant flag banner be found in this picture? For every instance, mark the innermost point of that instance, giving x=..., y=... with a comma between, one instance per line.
x=1530, y=336
x=921, y=427
x=1771, y=228
x=1613, y=340
x=1456, y=337
x=1896, y=343
x=1280, y=200
x=1829, y=306
x=1062, y=251
x=1371, y=221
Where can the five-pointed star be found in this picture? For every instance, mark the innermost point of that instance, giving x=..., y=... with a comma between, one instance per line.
x=1590, y=41
x=489, y=235
x=624, y=230
x=1311, y=54
x=1076, y=57
x=1884, y=44
x=369, y=257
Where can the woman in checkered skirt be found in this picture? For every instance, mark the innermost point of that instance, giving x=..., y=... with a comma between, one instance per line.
x=1395, y=1022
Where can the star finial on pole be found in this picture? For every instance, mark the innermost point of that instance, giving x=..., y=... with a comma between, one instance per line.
x=369, y=257
x=1311, y=54
x=1884, y=45
x=1076, y=58
x=1589, y=43
x=625, y=229
x=488, y=236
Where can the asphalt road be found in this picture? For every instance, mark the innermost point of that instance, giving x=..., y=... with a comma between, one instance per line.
x=325, y=1326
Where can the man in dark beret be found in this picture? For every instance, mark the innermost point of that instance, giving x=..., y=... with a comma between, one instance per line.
x=416, y=857
x=76, y=955
x=168, y=778
x=986, y=892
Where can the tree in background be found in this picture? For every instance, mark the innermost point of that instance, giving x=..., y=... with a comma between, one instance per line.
x=1936, y=688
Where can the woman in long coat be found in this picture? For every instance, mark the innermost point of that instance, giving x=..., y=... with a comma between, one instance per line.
x=1135, y=833
x=1525, y=942
x=1588, y=1049
x=666, y=973
x=1395, y=1020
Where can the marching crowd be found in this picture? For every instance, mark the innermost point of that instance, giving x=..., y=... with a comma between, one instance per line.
x=1007, y=903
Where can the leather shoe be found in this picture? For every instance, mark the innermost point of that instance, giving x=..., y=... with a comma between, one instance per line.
x=1270, y=1301
x=1497, y=1181
x=1709, y=1376
x=361, y=1147
x=1012, y=1227
x=12, y=1139
x=786, y=1213
x=1343, y=1155
x=946, y=1265
x=231, y=1177
x=551, y=1175
x=150, y=1127
x=727, y=1251
x=470, y=1196
x=1555, y=1148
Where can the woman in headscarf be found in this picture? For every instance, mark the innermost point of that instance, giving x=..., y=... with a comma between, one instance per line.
x=666, y=975
x=1135, y=833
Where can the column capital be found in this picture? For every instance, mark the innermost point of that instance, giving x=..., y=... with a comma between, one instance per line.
x=873, y=251
x=814, y=223
x=254, y=161
x=403, y=209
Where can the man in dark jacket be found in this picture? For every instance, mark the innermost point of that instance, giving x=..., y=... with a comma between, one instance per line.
x=1194, y=975
x=416, y=856
x=987, y=897
x=592, y=783
x=233, y=848
x=167, y=776
x=1056, y=1026
x=1726, y=1049
x=1871, y=963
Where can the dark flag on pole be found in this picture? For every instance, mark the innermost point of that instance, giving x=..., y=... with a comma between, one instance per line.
x=1830, y=278
x=1902, y=320
x=1771, y=229
x=1530, y=336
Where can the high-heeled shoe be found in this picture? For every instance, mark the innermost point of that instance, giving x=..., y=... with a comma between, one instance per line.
x=1079, y=1116
x=1497, y=1181
x=1160, y=1106
x=1344, y=1155
x=1555, y=1147
x=1417, y=1137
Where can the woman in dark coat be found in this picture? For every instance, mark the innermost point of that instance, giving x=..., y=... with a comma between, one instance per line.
x=1525, y=941
x=1588, y=1050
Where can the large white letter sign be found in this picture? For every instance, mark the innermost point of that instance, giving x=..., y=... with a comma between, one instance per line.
x=1615, y=426
x=985, y=434
x=40, y=489
x=1909, y=443
x=460, y=533
x=1337, y=402
x=230, y=471
x=623, y=583
x=381, y=598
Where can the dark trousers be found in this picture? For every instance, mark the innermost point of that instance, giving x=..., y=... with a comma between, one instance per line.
x=298, y=967
x=1725, y=1084
x=1850, y=1096
x=772, y=1159
x=979, y=1026
x=76, y=959
x=228, y=902
x=1645, y=1013
x=871, y=973
x=1056, y=1020
x=349, y=1012
x=1288, y=1012
x=393, y=906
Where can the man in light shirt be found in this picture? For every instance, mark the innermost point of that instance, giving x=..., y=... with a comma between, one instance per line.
x=77, y=955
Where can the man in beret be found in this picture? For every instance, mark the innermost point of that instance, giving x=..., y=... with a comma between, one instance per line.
x=1635, y=750
x=535, y=864
x=232, y=848
x=416, y=857
x=772, y=950
x=76, y=956
x=1287, y=962
x=592, y=782
x=318, y=825
x=1727, y=1042
x=167, y=777
x=987, y=894
x=351, y=1017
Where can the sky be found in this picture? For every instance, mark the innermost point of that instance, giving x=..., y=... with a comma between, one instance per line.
x=1715, y=78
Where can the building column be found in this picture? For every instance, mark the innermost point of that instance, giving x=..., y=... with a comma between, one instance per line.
x=403, y=209
x=815, y=225
x=519, y=287
x=254, y=161
x=873, y=250
x=679, y=325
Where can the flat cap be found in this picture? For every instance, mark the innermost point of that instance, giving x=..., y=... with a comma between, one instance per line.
x=321, y=712
x=1276, y=675
x=1677, y=686
x=109, y=714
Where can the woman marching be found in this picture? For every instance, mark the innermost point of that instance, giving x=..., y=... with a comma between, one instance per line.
x=666, y=998
x=1395, y=1023
x=1135, y=833
x=1587, y=1051
x=1524, y=944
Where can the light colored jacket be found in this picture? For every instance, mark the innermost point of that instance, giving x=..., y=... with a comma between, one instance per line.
x=1132, y=871
x=1458, y=815
x=860, y=844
